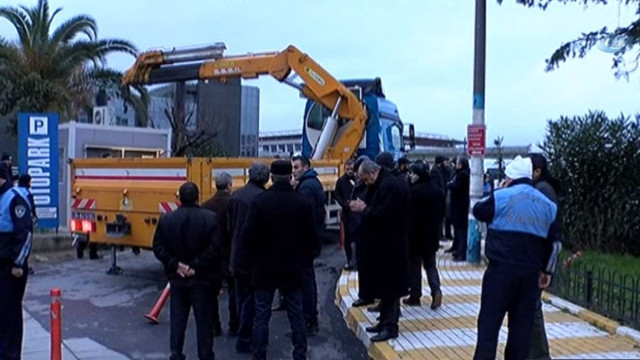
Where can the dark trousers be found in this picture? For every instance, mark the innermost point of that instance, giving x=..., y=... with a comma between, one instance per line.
x=504, y=291
x=11, y=322
x=460, y=241
x=390, y=314
x=233, y=307
x=362, y=275
x=200, y=298
x=93, y=250
x=539, y=343
x=349, y=243
x=309, y=295
x=429, y=263
x=293, y=306
x=246, y=311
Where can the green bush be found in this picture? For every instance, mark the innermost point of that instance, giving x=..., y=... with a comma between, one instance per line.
x=597, y=161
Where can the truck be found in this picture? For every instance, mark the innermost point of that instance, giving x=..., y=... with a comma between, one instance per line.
x=119, y=201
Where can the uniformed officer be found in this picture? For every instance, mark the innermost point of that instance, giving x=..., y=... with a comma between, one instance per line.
x=16, y=230
x=523, y=242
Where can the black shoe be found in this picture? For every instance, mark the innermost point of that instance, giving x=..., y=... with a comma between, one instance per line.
x=243, y=349
x=459, y=259
x=384, y=335
x=362, y=302
x=348, y=267
x=411, y=301
x=95, y=256
x=374, y=329
x=375, y=308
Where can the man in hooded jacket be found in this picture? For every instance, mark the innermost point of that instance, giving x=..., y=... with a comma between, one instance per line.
x=425, y=217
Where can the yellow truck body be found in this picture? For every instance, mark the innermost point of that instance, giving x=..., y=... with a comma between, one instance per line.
x=119, y=201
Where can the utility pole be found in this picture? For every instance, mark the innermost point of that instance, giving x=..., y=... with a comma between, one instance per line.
x=477, y=171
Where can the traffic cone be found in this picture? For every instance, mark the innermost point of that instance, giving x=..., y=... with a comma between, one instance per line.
x=153, y=315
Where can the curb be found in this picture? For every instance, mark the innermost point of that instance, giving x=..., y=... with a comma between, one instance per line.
x=611, y=326
x=353, y=317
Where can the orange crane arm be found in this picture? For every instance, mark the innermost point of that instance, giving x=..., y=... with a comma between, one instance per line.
x=318, y=85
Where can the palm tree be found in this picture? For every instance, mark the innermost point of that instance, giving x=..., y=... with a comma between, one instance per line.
x=59, y=69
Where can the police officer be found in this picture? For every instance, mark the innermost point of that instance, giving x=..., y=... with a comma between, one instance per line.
x=523, y=242
x=15, y=247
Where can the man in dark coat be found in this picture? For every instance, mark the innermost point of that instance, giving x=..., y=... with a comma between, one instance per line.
x=364, y=279
x=384, y=232
x=240, y=266
x=425, y=216
x=342, y=195
x=281, y=237
x=459, y=187
x=548, y=186
x=186, y=242
x=306, y=183
x=218, y=203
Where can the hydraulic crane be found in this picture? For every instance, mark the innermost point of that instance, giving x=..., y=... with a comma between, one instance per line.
x=210, y=63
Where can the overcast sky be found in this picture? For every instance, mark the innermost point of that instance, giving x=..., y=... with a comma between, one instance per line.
x=422, y=50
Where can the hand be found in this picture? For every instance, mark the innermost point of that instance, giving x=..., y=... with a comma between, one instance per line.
x=357, y=205
x=294, y=182
x=17, y=272
x=504, y=183
x=184, y=270
x=544, y=280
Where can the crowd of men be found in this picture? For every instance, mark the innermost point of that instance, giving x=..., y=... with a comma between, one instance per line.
x=260, y=240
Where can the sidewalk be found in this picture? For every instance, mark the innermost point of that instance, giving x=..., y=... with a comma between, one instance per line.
x=450, y=332
x=37, y=345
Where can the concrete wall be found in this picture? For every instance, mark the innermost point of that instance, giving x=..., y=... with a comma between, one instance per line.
x=219, y=112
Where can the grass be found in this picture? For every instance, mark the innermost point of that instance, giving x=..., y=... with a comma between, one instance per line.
x=622, y=264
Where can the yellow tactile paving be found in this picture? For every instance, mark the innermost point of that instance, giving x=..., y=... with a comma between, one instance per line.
x=449, y=332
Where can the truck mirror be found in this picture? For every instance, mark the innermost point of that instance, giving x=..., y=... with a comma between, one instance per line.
x=412, y=137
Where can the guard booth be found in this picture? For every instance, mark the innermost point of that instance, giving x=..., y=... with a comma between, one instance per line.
x=81, y=140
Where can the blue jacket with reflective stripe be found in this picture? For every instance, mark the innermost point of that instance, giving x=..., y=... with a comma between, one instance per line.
x=523, y=228
x=15, y=226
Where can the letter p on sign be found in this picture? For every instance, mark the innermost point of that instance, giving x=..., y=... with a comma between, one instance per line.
x=38, y=125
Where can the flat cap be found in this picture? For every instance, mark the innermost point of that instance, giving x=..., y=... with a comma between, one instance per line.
x=281, y=167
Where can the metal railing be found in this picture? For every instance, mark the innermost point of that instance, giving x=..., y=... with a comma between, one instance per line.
x=601, y=290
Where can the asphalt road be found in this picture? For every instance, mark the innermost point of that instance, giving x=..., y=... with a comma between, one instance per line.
x=109, y=309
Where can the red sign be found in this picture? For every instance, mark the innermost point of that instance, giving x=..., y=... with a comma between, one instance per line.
x=476, y=140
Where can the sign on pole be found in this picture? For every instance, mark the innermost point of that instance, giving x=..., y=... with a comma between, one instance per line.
x=476, y=140
x=38, y=157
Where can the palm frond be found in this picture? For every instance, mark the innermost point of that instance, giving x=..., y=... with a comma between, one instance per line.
x=20, y=22
x=67, y=31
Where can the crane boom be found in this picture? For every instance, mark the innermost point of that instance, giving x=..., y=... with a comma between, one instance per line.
x=209, y=63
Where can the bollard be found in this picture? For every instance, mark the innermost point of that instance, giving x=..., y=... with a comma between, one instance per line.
x=155, y=311
x=56, y=325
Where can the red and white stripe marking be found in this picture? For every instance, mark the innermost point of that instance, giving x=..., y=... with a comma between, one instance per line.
x=84, y=204
x=166, y=207
x=132, y=174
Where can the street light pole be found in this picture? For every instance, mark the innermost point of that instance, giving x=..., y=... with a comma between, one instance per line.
x=477, y=172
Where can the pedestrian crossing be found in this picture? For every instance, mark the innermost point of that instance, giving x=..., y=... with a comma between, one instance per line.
x=450, y=332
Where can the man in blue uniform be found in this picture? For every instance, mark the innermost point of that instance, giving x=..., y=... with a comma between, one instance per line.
x=15, y=246
x=523, y=242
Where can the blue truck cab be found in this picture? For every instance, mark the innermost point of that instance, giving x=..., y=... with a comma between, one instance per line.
x=384, y=130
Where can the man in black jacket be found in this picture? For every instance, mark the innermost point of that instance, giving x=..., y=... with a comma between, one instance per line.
x=306, y=183
x=218, y=203
x=459, y=187
x=186, y=242
x=342, y=194
x=425, y=218
x=240, y=266
x=281, y=238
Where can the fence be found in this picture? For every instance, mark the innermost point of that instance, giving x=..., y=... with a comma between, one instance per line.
x=600, y=290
